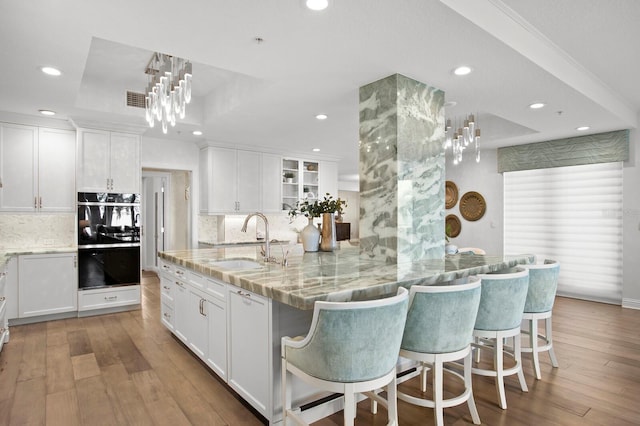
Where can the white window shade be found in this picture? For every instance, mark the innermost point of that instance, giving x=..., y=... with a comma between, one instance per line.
x=573, y=215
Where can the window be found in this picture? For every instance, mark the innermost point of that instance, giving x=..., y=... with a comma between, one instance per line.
x=573, y=215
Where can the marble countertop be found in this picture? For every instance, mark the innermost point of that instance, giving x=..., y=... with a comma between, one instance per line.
x=341, y=275
x=7, y=253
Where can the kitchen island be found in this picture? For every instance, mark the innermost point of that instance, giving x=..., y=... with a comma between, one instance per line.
x=231, y=309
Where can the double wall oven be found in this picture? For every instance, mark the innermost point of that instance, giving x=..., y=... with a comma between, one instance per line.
x=108, y=240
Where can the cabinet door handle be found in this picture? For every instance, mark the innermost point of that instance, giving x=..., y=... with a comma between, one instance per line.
x=110, y=297
x=75, y=262
x=35, y=202
x=166, y=287
x=3, y=298
x=40, y=206
x=166, y=315
x=179, y=284
x=243, y=294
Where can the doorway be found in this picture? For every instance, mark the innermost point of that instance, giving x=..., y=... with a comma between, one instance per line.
x=166, y=213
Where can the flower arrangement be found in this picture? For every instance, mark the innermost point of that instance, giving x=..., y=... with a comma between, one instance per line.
x=316, y=208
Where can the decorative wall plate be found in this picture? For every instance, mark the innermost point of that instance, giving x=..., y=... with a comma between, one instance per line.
x=472, y=206
x=450, y=194
x=453, y=221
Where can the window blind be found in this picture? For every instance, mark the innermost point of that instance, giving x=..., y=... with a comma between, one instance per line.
x=573, y=215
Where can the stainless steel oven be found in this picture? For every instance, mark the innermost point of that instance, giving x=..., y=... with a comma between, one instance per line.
x=108, y=239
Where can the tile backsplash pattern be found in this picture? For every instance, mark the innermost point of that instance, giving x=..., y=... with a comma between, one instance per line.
x=280, y=228
x=37, y=230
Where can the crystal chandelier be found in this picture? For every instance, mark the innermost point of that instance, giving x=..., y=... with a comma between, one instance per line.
x=169, y=89
x=460, y=135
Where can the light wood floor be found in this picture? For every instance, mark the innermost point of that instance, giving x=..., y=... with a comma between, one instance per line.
x=126, y=369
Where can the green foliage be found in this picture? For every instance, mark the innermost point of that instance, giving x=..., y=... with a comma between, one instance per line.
x=316, y=208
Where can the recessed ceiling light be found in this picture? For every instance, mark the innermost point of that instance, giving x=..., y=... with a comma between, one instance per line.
x=197, y=133
x=582, y=128
x=321, y=116
x=316, y=149
x=537, y=105
x=317, y=4
x=51, y=71
x=462, y=70
x=47, y=112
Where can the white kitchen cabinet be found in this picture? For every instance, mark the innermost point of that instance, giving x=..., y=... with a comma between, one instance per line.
x=37, y=169
x=249, y=347
x=181, y=309
x=47, y=284
x=197, y=336
x=4, y=319
x=271, y=183
x=216, y=311
x=328, y=179
x=167, y=312
x=230, y=181
x=108, y=161
x=107, y=298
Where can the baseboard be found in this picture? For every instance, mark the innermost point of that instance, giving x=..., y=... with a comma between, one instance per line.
x=631, y=303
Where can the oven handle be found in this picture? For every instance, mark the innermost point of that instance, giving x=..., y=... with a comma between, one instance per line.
x=85, y=203
x=103, y=246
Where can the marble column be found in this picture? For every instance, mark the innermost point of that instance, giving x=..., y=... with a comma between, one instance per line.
x=402, y=170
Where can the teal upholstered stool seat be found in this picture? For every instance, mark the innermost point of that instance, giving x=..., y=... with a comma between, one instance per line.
x=499, y=317
x=439, y=330
x=543, y=283
x=351, y=347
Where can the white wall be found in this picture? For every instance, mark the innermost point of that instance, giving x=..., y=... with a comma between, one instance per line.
x=175, y=155
x=631, y=224
x=486, y=232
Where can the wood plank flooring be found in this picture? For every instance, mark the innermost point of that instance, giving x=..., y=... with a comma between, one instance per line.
x=126, y=369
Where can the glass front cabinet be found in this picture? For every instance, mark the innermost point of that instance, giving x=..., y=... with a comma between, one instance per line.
x=299, y=181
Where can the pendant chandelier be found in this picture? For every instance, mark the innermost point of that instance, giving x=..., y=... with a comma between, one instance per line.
x=168, y=91
x=460, y=135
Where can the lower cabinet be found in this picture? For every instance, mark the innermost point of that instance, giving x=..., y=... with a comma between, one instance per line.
x=106, y=298
x=194, y=309
x=4, y=320
x=249, y=347
x=181, y=310
x=47, y=284
x=235, y=332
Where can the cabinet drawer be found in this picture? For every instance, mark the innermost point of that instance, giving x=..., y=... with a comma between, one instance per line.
x=216, y=288
x=166, y=289
x=108, y=298
x=165, y=268
x=167, y=300
x=181, y=273
x=196, y=280
x=166, y=316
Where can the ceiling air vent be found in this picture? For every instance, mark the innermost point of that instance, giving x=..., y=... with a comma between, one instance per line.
x=135, y=99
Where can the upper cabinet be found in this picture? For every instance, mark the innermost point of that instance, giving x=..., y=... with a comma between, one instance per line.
x=307, y=179
x=108, y=161
x=236, y=181
x=37, y=169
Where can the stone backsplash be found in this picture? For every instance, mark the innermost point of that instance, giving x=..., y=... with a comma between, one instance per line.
x=37, y=230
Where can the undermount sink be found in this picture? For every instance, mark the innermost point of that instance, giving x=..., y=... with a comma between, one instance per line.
x=235, y=264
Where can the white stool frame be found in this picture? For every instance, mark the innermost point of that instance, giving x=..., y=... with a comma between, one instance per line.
x=534, y=348
x=494, y=340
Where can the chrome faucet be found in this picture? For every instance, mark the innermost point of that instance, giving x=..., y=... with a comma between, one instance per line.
x=267, y=249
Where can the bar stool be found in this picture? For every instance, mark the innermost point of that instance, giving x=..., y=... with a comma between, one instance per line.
x=502, y=299
x=543, y=283
x=351, y=347
x=439, y=330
